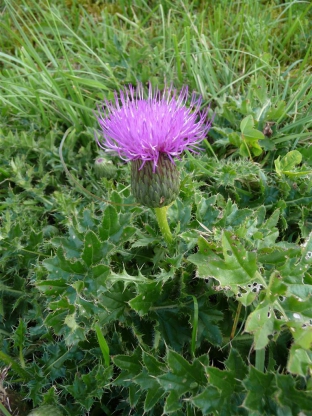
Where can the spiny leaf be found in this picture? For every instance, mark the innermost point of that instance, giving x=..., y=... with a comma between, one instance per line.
x=110, y=224
x=208, y=401
x=183, y=376
x=260, y=388
x=59, y=266
x=148, y=295
x=94, y=250
x=288, y=395
x=238, y=266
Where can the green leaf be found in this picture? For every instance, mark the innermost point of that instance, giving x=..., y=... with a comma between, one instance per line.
x=277, y=111
x=248, y=131
x=154, y=366
x=147, y=380
x=19, y=336
x=207, y=329
x=152, y=397
x=94, y=250
x=260, y=387
x=238, y=267
x=299, y=361
x=103, y=344
x=60, y=267
x=261, y=323
x=172, y=326
x=148, y=295
x=72, y=244
x=183, y=376
x=172, y=403
x=208, y=401
x=247, y=123
x=115, y=303
x=236, y=365
x=110, y=224
x=220, y=393
x=16, y=367
x=298, y=401
x=89, y=386
x=223, y=380
x=288, y=163
x=130, y=365
x=100, y=272
x=75, y=333
x=56, y=320
x=250, y=137
x=53, y=287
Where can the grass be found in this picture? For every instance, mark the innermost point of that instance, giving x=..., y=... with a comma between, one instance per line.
x=108, y=332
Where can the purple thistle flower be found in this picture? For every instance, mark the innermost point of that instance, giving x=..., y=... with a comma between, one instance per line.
x=142, y=129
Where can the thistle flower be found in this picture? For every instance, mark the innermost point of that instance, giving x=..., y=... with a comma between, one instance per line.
x=150, y=133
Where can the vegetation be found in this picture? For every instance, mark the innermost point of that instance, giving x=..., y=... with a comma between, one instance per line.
x=97, y=314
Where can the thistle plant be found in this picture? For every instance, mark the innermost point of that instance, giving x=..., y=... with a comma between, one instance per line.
x=150, y=133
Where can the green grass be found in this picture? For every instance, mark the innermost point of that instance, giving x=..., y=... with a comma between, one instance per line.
x=131, y=328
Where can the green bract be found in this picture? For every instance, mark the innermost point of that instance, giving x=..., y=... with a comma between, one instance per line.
x=155, y=189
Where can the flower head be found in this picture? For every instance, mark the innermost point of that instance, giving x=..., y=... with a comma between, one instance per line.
x=138, y=128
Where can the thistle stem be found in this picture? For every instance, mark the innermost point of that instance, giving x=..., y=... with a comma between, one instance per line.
x=260, y=359
x=161, y=215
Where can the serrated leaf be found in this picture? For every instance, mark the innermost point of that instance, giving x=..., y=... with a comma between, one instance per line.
x=288, y=395
x=223, y=380
x=15, y=366
x=172, y=403
x=173, y=327
x=302, y=334
x=76, y=333
x=87, y=387
x=146, y=382
x=148, y=295
x=208, y=401
x=59, y=266
x=183, y=376
x=110, y=224
x=100, y=272
x=130, y=366
x=123, y=235
x=19, y=335
x=152, y=397
x=260, y=387
x=153, y=366
x=237, y=268
x=134, y=395
x=53, y=287
x=236, y=365
x=115, y=302
x=56, y=320
x=71, y=245
x=94, y=250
